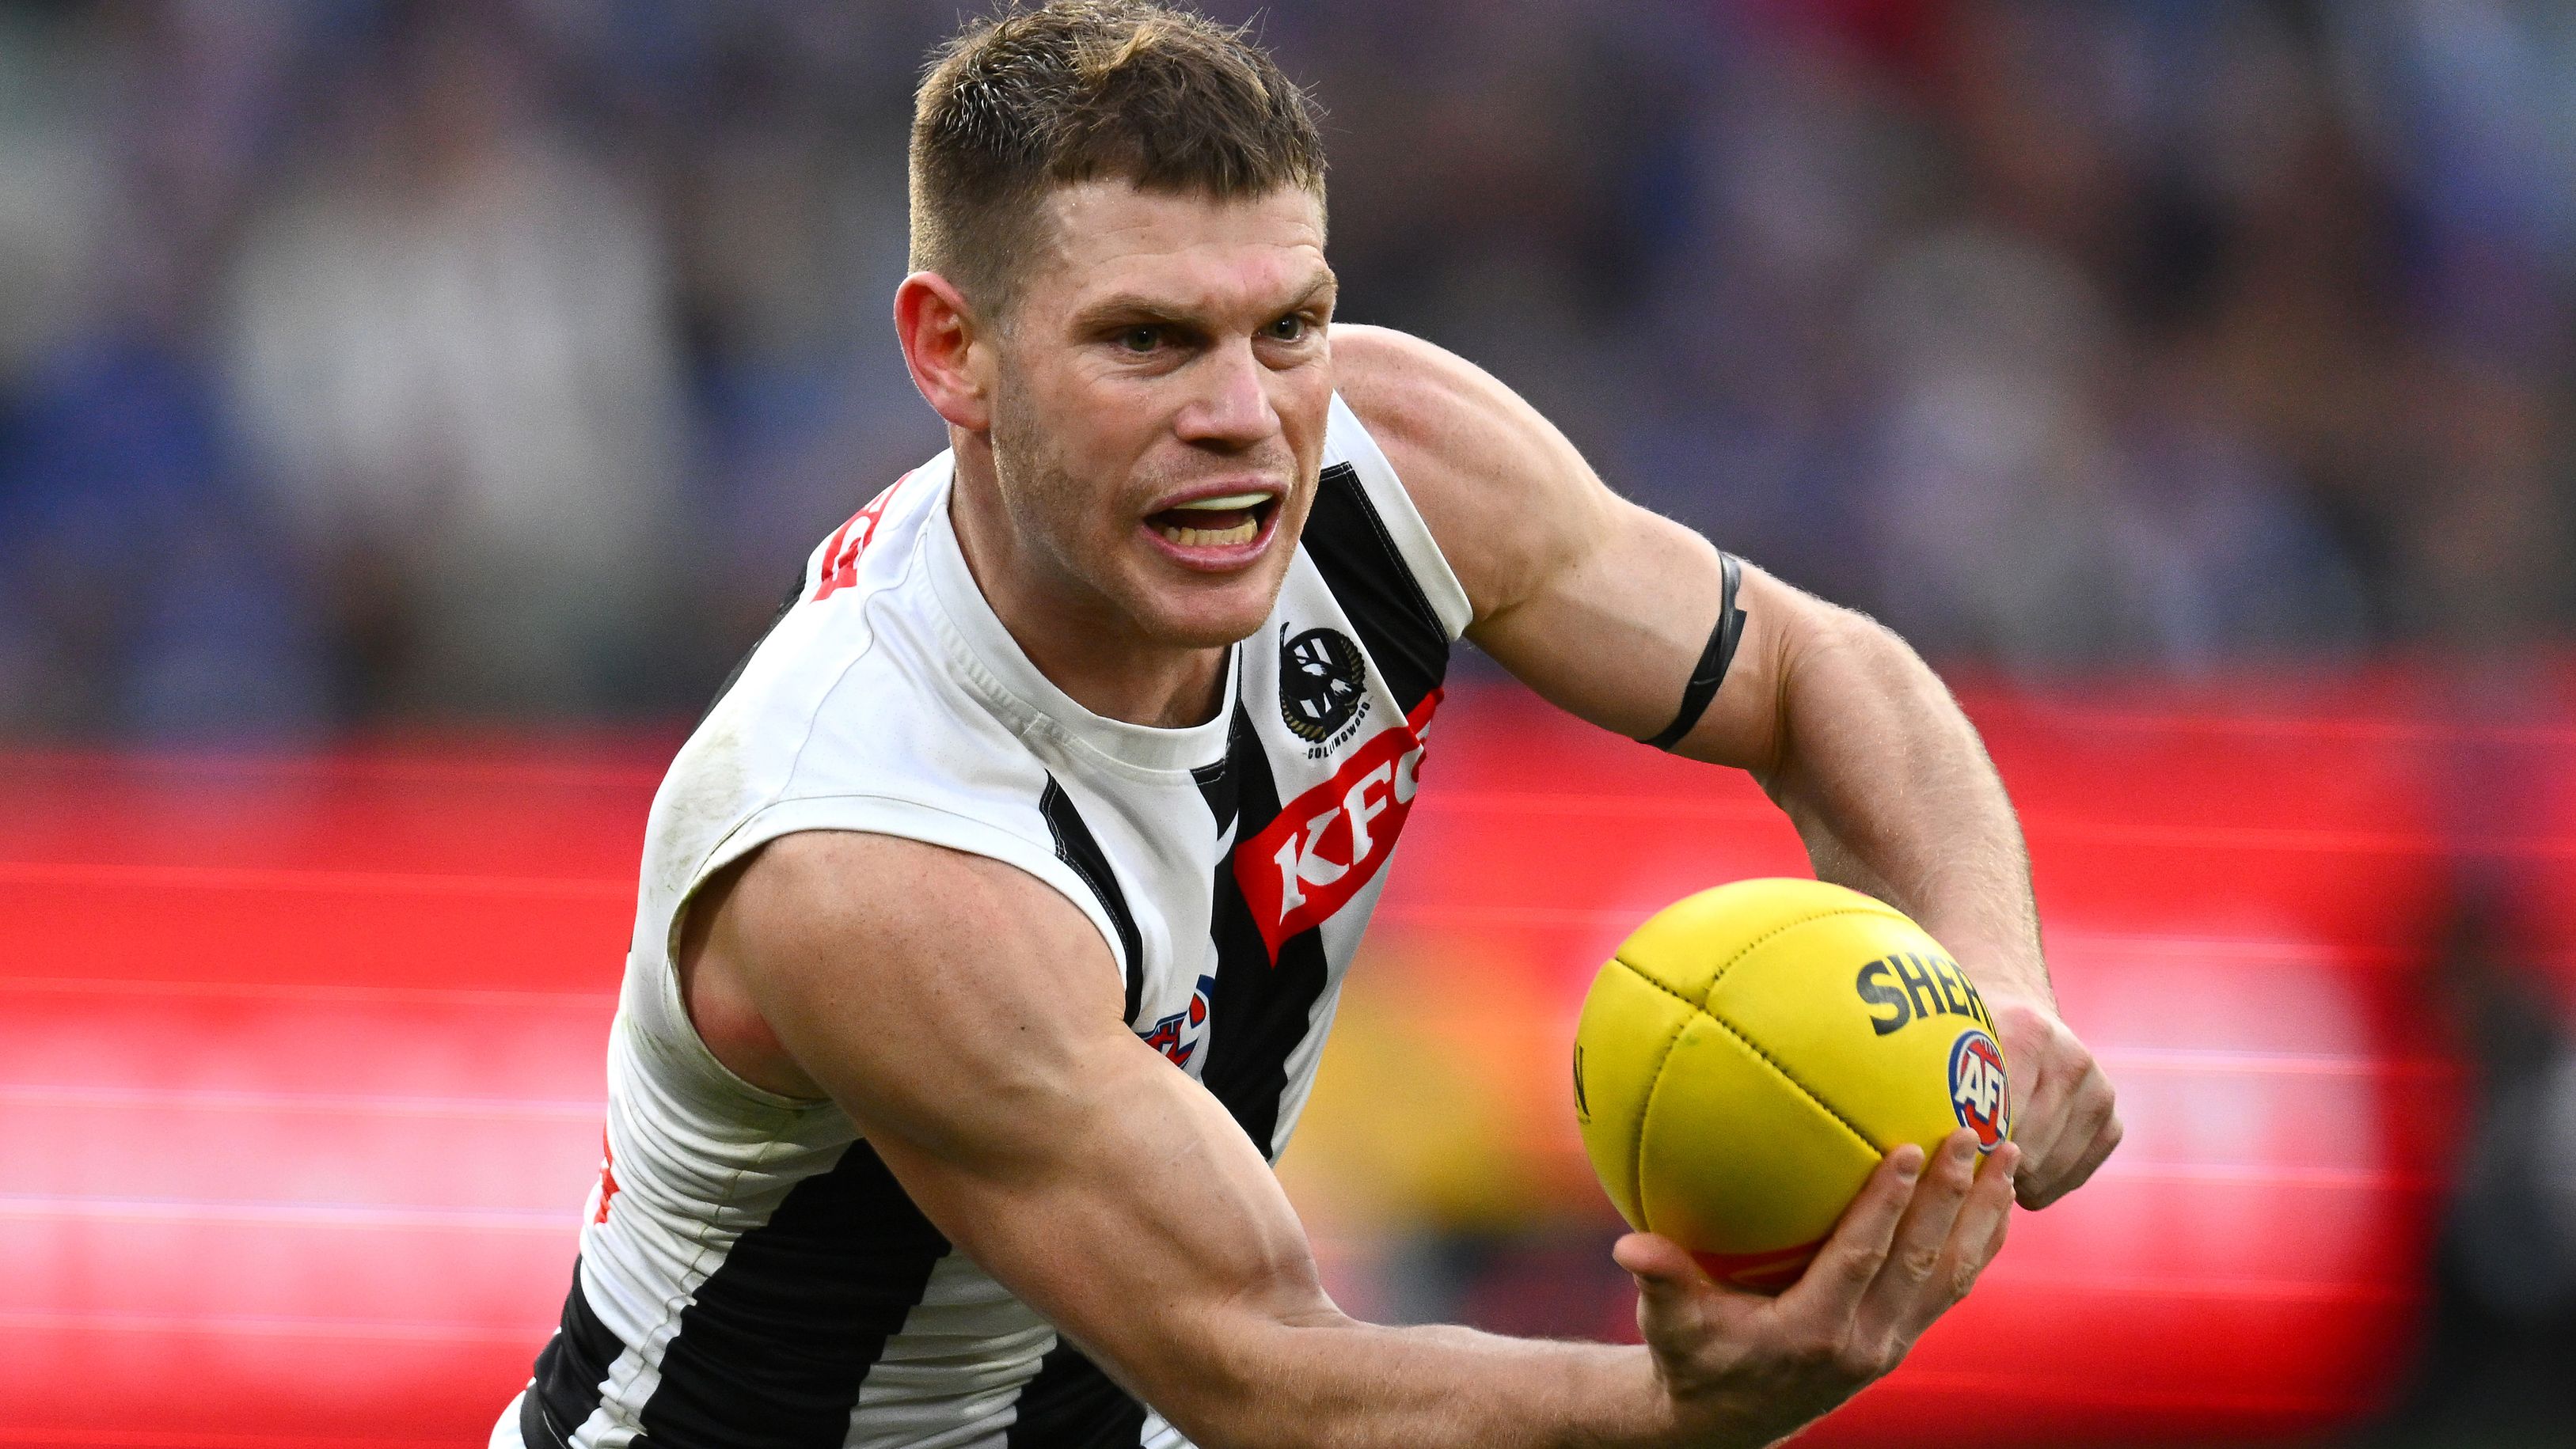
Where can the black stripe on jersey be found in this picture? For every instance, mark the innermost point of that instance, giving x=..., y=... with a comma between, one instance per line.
x=1376, y=587
x=774, y=1345
x=571, y=1371
x=1082, y=855
x=1071, y=1404
x=1259, y=1012
x=1216, y=782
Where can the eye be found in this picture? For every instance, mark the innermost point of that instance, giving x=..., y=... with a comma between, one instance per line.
x=1290, y=328
x=1141, y=340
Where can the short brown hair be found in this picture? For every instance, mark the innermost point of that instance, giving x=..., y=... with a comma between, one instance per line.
x=1083, y=90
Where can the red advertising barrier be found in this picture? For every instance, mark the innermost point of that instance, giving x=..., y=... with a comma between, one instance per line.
x=300, y=1059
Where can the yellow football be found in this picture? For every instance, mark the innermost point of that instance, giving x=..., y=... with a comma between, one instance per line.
x=1750, y=1054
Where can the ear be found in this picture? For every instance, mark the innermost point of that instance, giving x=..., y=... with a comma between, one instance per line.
x=948, y=348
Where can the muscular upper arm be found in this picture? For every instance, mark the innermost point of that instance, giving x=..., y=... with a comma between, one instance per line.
x=968, y=1019
x=1601, y=606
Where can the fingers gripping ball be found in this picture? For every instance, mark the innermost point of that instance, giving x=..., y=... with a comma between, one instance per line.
x=1750, y=1054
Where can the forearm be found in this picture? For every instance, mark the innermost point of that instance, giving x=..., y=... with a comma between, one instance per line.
x=1335, y=1383
x=1893, y=794
x=1726, y=1370
x=1148, y=1229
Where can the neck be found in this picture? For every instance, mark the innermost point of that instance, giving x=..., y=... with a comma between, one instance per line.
x=1082, y=644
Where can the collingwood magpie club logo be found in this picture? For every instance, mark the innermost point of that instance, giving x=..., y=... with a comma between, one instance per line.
x=1323, y=691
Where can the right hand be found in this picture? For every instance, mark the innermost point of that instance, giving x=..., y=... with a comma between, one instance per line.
x=1743, y=1370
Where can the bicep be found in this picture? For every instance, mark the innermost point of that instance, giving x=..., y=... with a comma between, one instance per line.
x=1601, y=606
x=1616, y=633
x=968, y=1020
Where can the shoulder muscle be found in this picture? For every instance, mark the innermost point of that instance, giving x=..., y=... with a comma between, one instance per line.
x=1601, y=606
x=1509, y=499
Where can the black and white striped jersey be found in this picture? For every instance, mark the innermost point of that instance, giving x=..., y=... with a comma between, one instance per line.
x=751, y=1276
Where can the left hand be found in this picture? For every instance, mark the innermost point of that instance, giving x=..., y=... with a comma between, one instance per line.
x=2064, y=1115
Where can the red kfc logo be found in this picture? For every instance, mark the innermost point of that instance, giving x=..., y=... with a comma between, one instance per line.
x=1328, y=843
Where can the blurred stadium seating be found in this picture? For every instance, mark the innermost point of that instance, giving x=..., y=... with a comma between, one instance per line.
x=301, y=1093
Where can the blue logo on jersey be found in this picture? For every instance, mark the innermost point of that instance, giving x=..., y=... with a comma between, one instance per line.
x=1178, y=1035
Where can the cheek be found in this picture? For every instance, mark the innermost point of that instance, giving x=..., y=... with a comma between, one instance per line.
x=1304, y=400
x=1076, y=491
x=1091, y=420
x=1301, y=387
x=1044, y=424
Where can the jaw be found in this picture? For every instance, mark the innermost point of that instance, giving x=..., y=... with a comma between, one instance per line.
x=1186, y=604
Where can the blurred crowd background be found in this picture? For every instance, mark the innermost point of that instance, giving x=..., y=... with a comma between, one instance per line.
x=375, y=366
x=367, y=362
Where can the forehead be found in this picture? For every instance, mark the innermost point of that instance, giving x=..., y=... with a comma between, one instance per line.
x=1198, y=252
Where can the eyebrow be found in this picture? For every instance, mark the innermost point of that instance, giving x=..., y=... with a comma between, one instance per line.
x=1125, y=306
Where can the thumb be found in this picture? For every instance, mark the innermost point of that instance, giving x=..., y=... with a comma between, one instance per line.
x=1655, y=1261
x=1670, y=1286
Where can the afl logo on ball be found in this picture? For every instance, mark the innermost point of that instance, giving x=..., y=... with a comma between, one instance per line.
x=1979, y=1093
x=1320, y=678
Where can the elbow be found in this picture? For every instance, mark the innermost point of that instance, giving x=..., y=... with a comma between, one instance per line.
x=1216, y=1396
x=1837, y=669
x=1847, y=633
x=1840, y=652
x=1227, y=1416
x=1241, y=1389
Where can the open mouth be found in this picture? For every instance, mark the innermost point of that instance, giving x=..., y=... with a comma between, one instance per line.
x=1226, y=521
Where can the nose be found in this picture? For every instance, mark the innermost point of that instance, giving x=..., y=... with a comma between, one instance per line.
x=1231, y=408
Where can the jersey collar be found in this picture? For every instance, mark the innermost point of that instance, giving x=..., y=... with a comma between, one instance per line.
x=1012, y=684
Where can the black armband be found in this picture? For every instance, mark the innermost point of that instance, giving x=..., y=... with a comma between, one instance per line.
x=1713, y=660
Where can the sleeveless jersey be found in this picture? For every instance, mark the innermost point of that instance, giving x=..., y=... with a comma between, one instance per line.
x=751, y=1276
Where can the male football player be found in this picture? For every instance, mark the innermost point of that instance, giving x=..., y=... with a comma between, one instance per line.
x=991, y=922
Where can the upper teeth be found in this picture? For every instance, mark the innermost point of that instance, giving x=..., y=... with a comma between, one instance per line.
x=1231, y=500
x=1203, y=537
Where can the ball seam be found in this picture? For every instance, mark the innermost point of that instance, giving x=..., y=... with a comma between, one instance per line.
x=1792, y=1079
x=1701, y=1008
x=1655, y=1081
x=1747, y=949
x=1646, y=1109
